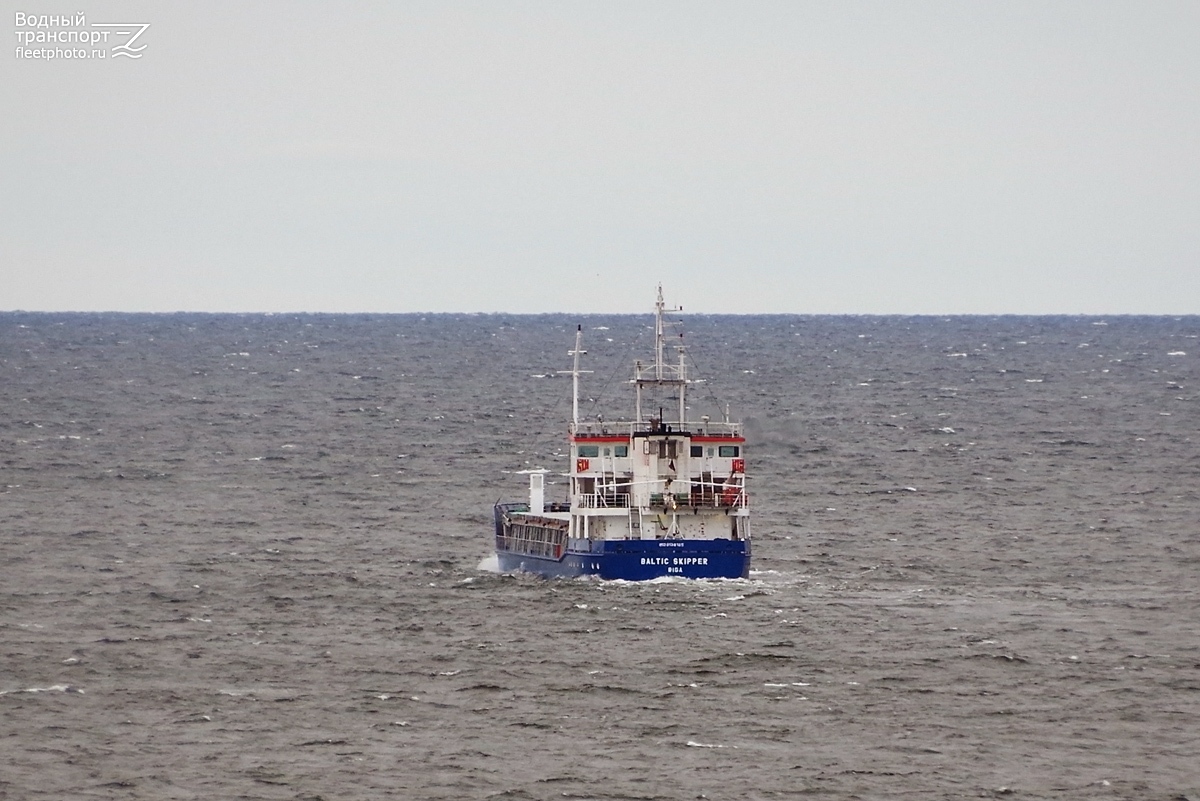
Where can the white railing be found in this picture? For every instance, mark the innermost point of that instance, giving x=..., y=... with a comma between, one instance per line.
x=605, y=500
x=731, y=497
x=697, y=494
x=626, y=428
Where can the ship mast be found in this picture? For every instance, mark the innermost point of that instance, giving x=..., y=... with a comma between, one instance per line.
x=663, y=374
x=575, y=372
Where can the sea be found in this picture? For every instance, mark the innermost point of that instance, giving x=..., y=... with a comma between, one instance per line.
x=250, y=557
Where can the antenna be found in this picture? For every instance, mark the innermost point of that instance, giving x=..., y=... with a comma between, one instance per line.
x=575, y=372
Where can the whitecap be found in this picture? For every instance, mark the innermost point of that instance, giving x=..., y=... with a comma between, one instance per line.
x=490, y=564
x=54, y=688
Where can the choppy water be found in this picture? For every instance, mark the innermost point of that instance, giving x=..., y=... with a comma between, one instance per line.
x=244, y=557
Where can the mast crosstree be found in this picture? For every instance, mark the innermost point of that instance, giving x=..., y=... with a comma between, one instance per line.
x=662, y=374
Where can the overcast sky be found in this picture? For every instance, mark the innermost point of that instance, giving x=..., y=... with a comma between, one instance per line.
x=835, y=157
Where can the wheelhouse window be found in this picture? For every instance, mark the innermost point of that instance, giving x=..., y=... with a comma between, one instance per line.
x=586, y=451
x=727, y=450
x=621, y=451
x=697, y=450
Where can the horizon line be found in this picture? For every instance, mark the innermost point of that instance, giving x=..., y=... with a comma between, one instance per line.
x=590, y=313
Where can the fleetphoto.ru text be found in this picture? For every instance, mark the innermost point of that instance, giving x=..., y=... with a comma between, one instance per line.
x=69, y=36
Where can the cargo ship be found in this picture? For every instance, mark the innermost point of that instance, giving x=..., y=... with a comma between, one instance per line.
x=647, y=497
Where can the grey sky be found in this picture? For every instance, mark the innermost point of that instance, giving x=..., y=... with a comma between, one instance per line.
x=839, y=157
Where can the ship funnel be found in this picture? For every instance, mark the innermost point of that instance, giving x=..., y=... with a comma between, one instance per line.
x=537, y=493
x=537, y=489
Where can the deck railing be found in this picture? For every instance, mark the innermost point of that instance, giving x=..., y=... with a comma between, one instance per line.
x=731, y=497
x=626, y=428
x=605, y=500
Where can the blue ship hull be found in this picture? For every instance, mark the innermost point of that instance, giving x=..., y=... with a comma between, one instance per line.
x=638, y=560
